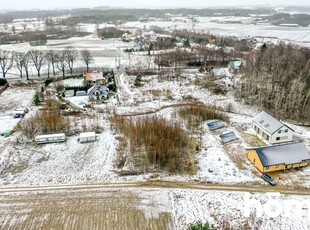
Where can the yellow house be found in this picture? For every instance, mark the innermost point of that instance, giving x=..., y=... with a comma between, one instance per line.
x=279, y=157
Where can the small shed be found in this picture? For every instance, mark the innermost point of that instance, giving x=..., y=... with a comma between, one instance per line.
x=81, y=93
x=69, y=93
x=87, y=137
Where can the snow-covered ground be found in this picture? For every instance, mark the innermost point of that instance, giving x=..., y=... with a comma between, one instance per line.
x=299, y=35
x=7, y=123
x=78, y=101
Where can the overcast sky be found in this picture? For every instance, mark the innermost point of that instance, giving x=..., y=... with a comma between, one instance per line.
x=48, y=4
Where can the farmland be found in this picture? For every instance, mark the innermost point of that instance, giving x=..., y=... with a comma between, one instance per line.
x=155, y=162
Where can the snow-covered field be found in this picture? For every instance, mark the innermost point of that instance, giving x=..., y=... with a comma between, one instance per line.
x=154, y=208
x=300, y=35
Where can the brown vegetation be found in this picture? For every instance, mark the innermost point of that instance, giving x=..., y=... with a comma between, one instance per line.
x=195, y=115
x=165, y=145
x=45, y=122
x=277, y=79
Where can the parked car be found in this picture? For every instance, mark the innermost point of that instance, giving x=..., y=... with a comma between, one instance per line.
x=17, y=115
x=269, y=179
x=22, y=110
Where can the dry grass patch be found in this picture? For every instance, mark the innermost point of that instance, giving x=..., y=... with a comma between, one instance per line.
x=195, y=115
x=156, y=144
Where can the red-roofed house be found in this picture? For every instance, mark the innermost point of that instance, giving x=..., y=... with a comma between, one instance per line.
x=95, y=77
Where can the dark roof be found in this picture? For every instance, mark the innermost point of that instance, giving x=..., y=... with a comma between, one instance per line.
x=215, y=125
x=283, y=154
x=228, y=137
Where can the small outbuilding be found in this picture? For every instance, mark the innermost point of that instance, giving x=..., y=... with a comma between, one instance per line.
x=272, y=130
x=50, y=138
x=279, y=157
x=87, y=137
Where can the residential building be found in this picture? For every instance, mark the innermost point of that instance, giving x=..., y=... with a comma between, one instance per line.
x=98, y=92
x=279, y=157
x=270, y=129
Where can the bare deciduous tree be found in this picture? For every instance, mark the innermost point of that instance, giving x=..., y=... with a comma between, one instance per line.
x=26, y=64
x=71, y=56
x=87, y=58
x=6, y=61
x=51, y=57
x=62, y=61
x=24, y=25
x=19, y=59
x=37, y=57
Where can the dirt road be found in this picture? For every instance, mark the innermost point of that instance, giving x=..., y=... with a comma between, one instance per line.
x=164, y=184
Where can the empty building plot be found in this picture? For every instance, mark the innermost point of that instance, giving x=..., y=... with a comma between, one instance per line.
x=228, y=137
x=214, y=125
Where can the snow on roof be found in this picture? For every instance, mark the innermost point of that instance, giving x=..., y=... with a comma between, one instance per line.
x=218, y=72
x=268, y=122
x=228, y=137
x=94, y=76
x=87, y=134
x=214, y=125
x=235, y=64
x=283, y=154
x=51, y=135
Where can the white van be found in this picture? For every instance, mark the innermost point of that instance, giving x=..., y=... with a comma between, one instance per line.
x=50, y=138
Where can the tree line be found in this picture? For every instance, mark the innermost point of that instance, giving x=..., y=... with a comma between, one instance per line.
x=277, y=78
x=62, y=60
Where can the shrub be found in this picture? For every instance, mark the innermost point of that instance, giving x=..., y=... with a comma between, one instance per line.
x=3, y=81
x=44, y=122
x=197, y=114
x=36, y=99
x=201, y=226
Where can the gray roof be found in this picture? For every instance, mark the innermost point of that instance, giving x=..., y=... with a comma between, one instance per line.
x=215, y=125
x=268, y=122
x=228, y=137
x=103, y=89
x=283, y=154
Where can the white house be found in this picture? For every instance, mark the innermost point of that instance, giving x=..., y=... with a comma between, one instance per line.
x=270, y=129
x=98, y=92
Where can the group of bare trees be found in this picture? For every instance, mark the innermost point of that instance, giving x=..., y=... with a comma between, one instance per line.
x=277, y=78
x=61, y=60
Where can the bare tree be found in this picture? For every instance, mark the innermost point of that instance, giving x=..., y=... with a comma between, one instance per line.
x=26, y=64
x=62, y=61
x=13, y=29
x=24, y=25
x=71, y=56
x=87, y=58
x=6, y=61
x=37, y=57
x=51, y=57
x=19, y=59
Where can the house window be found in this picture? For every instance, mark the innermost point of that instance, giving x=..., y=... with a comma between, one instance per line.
x=279, y=131
x=261, y=122
x=267, y=167
x=304, y=161
x=277, y=166
x=278, y=138
x=286, y=130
